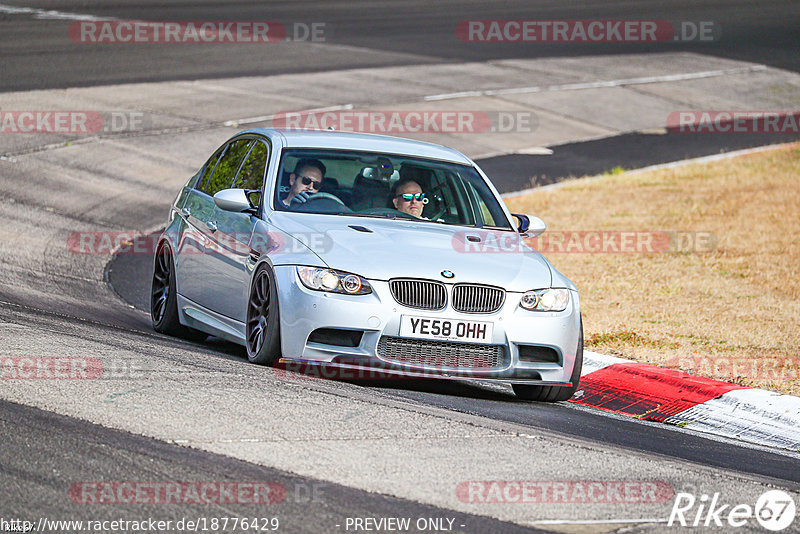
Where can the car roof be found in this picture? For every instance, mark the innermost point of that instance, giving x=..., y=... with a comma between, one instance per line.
x=360, y=141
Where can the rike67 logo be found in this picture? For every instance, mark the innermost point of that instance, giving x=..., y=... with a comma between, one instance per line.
x=774, y=510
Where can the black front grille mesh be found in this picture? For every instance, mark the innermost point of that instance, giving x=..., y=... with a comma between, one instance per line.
x=442, y=354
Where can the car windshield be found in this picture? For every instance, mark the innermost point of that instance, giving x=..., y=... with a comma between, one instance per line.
x=368, y=184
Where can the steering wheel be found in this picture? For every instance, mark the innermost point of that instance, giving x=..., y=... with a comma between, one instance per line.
x=438, y=215
x=321, y=203
x=323, y=196
x=435, y=194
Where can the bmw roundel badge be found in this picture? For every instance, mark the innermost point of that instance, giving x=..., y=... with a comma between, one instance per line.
x=448, y=274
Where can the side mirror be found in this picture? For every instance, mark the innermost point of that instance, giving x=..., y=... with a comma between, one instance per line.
x=531, y=226
x=234, y=200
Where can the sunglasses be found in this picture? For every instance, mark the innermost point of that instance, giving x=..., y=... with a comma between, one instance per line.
x=308, y=181
x=408, y=197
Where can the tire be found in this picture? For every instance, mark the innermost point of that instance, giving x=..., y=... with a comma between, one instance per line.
x=262, y=330
x=164, y=298
x=554, y=393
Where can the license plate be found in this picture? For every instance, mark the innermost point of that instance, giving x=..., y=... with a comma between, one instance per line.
x=446, y=329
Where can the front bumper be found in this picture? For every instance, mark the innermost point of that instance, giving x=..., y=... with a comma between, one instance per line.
x=377, y=317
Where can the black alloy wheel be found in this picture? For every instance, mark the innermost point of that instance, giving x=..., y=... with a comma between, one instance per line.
x=262, y=328
x=164, y=298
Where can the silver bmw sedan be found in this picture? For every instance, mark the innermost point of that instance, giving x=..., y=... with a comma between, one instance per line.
x=365, y=252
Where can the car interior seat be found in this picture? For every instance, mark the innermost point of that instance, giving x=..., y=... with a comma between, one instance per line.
x=331, y=185
x=369, y=193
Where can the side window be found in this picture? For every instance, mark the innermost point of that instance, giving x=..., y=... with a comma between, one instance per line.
x=251, y=175
x=207, y=170
x=488, y=219
x=227, y=166
x=488, y=214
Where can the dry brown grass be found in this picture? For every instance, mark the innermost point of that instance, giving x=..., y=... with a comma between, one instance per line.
x=732, y=313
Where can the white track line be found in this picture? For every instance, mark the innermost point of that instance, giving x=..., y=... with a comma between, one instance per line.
x=598, y=84
x=45, y=14
x=594, y=521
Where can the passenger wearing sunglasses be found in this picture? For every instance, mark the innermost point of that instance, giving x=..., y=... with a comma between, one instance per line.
x=407, y=196
x=304, y=181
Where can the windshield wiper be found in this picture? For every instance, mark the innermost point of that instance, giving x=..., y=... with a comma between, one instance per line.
x=377, y=216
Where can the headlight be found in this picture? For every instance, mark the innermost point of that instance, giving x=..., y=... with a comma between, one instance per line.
x=321, y=279
x=545, y=300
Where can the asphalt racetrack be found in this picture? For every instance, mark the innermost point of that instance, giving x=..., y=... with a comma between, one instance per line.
x=376, y=34
x=189, y=412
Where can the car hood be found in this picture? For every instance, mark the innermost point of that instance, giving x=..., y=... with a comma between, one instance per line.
x=380, y=249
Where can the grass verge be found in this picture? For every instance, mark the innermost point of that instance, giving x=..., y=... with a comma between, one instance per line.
x=720, y=296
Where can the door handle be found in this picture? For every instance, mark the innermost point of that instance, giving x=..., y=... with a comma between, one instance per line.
x=212, y=225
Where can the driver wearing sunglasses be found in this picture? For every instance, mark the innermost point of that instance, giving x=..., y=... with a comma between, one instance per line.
x=407, y=196
x=304, y=181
